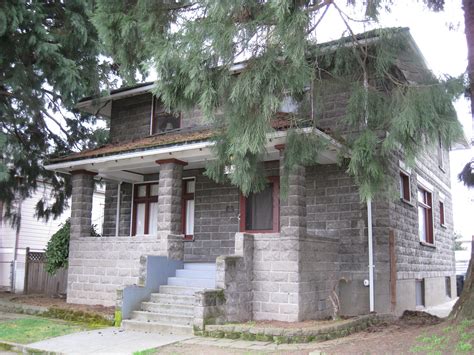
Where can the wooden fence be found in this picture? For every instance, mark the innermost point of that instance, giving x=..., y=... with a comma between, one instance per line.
x=38, y=280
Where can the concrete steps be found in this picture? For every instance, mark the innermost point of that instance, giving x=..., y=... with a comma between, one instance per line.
x=172, y=309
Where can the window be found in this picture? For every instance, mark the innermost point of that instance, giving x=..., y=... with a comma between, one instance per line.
x=441, y=213
x=163, y=121
x=145, y=209
x=420, y=293
x=447, y=285
x=189, y=187
x=405, y=193
x=260, y=212
x=440, y=153
x=425, y=216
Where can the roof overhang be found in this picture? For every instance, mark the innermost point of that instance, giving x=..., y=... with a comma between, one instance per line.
x=133, y=166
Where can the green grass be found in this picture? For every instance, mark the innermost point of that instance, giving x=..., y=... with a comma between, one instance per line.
x=29, y=330
x=457, y=339
x=151, y=351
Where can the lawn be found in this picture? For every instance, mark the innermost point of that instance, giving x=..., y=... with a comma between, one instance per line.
x=29, y=330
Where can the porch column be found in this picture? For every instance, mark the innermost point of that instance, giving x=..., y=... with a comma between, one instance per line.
x=293, y=207
x=170, y=191
x=81, y=203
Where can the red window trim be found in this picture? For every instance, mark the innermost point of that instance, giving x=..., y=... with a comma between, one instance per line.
x=275, y=206
x=146, y=200
x=153, y=122
x=405, y=194
x=186, y=197
x=427, y=205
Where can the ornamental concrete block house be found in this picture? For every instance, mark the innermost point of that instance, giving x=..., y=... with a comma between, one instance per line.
x=179, y=249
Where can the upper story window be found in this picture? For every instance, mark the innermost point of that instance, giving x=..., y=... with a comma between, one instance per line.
x=162, y=121
x=425, y=216
x=405, y=191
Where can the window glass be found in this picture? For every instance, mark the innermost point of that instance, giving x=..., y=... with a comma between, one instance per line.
x=140, y=219
x=163, y=121
x=141, y=191
x=420, y=292
x=190, y=186
x=153, y=220
x=405, y=186
x=441, y=213
x=422, y=223
x=154, y=190
x=189, y=217
x=259, y=210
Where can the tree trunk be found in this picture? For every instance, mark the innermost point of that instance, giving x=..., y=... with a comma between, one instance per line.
x=464, y=307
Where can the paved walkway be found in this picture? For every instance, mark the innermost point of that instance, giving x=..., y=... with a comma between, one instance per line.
x=106, y=341
x=441, y=310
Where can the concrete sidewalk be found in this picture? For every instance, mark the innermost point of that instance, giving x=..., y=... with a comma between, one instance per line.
x=106, y=341
x=441, y=310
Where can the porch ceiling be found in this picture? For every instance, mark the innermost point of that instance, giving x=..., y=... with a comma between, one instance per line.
x=132, y=166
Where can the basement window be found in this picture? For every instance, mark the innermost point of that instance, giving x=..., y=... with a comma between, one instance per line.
x=420, y=292
x=163, y=121
x=447, y=283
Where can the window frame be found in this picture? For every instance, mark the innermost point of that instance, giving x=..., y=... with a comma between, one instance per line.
x=147, y=200
x=427, y=205
x=153, y=122
x=442, y=214
x=275, y=180
x=405, y=183
x=422, y=284
x=186, y=196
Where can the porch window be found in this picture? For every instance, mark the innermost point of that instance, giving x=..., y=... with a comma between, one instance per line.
x=425, y=216
x=145, y=209
x=163, y=121
x=188, y=208
x=259, y=212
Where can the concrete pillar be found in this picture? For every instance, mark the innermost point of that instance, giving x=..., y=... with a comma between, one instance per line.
x=81, y=203
x=170, y=193
x=293, y=206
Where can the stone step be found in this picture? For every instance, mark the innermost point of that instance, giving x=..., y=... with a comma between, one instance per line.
x=171, y=309
x=155, y=327
x=179, y=290
x=196, y=274
x=165, y=298
x=201, y=283
x=200, y=266
x=170, y=319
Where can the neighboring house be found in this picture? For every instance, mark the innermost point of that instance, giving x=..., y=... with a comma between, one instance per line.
x=463, y=256
x=175, y=231
x=33, y=234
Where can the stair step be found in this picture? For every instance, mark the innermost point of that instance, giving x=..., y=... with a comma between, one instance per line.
x=202, y=283
x=170, y=309
x=155, y=327
x=164, y=298
x=200, y=266
x=179, y=290
x=196, y=274
x=162, y=318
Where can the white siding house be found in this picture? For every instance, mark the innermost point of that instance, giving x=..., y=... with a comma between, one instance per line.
x=34, y=234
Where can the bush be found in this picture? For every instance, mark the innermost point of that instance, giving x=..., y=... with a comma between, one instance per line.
x=57, y=250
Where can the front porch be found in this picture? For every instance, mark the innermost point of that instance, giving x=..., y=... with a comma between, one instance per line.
x=159, y=203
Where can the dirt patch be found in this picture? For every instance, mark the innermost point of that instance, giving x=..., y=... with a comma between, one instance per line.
x=45, y=301
x=419, y=318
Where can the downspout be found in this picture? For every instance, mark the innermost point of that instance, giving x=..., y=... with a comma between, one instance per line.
x=371, y=255
x=117, y=212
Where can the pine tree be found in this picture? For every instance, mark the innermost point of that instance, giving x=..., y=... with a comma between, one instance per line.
x=193, y=47
x=49, y=58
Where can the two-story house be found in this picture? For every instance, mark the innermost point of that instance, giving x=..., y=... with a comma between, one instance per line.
x=198, y=251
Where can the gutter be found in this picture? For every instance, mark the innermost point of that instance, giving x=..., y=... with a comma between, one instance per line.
x=371, y=256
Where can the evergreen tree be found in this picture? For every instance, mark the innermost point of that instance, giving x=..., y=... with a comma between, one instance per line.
x=193, y=46
x=49, y=54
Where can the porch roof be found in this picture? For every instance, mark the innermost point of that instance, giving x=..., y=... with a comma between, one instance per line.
x=131, y=161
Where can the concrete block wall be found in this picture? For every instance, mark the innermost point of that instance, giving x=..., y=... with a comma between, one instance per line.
x=130, y=118
x=319, y=276
x=99, y=266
